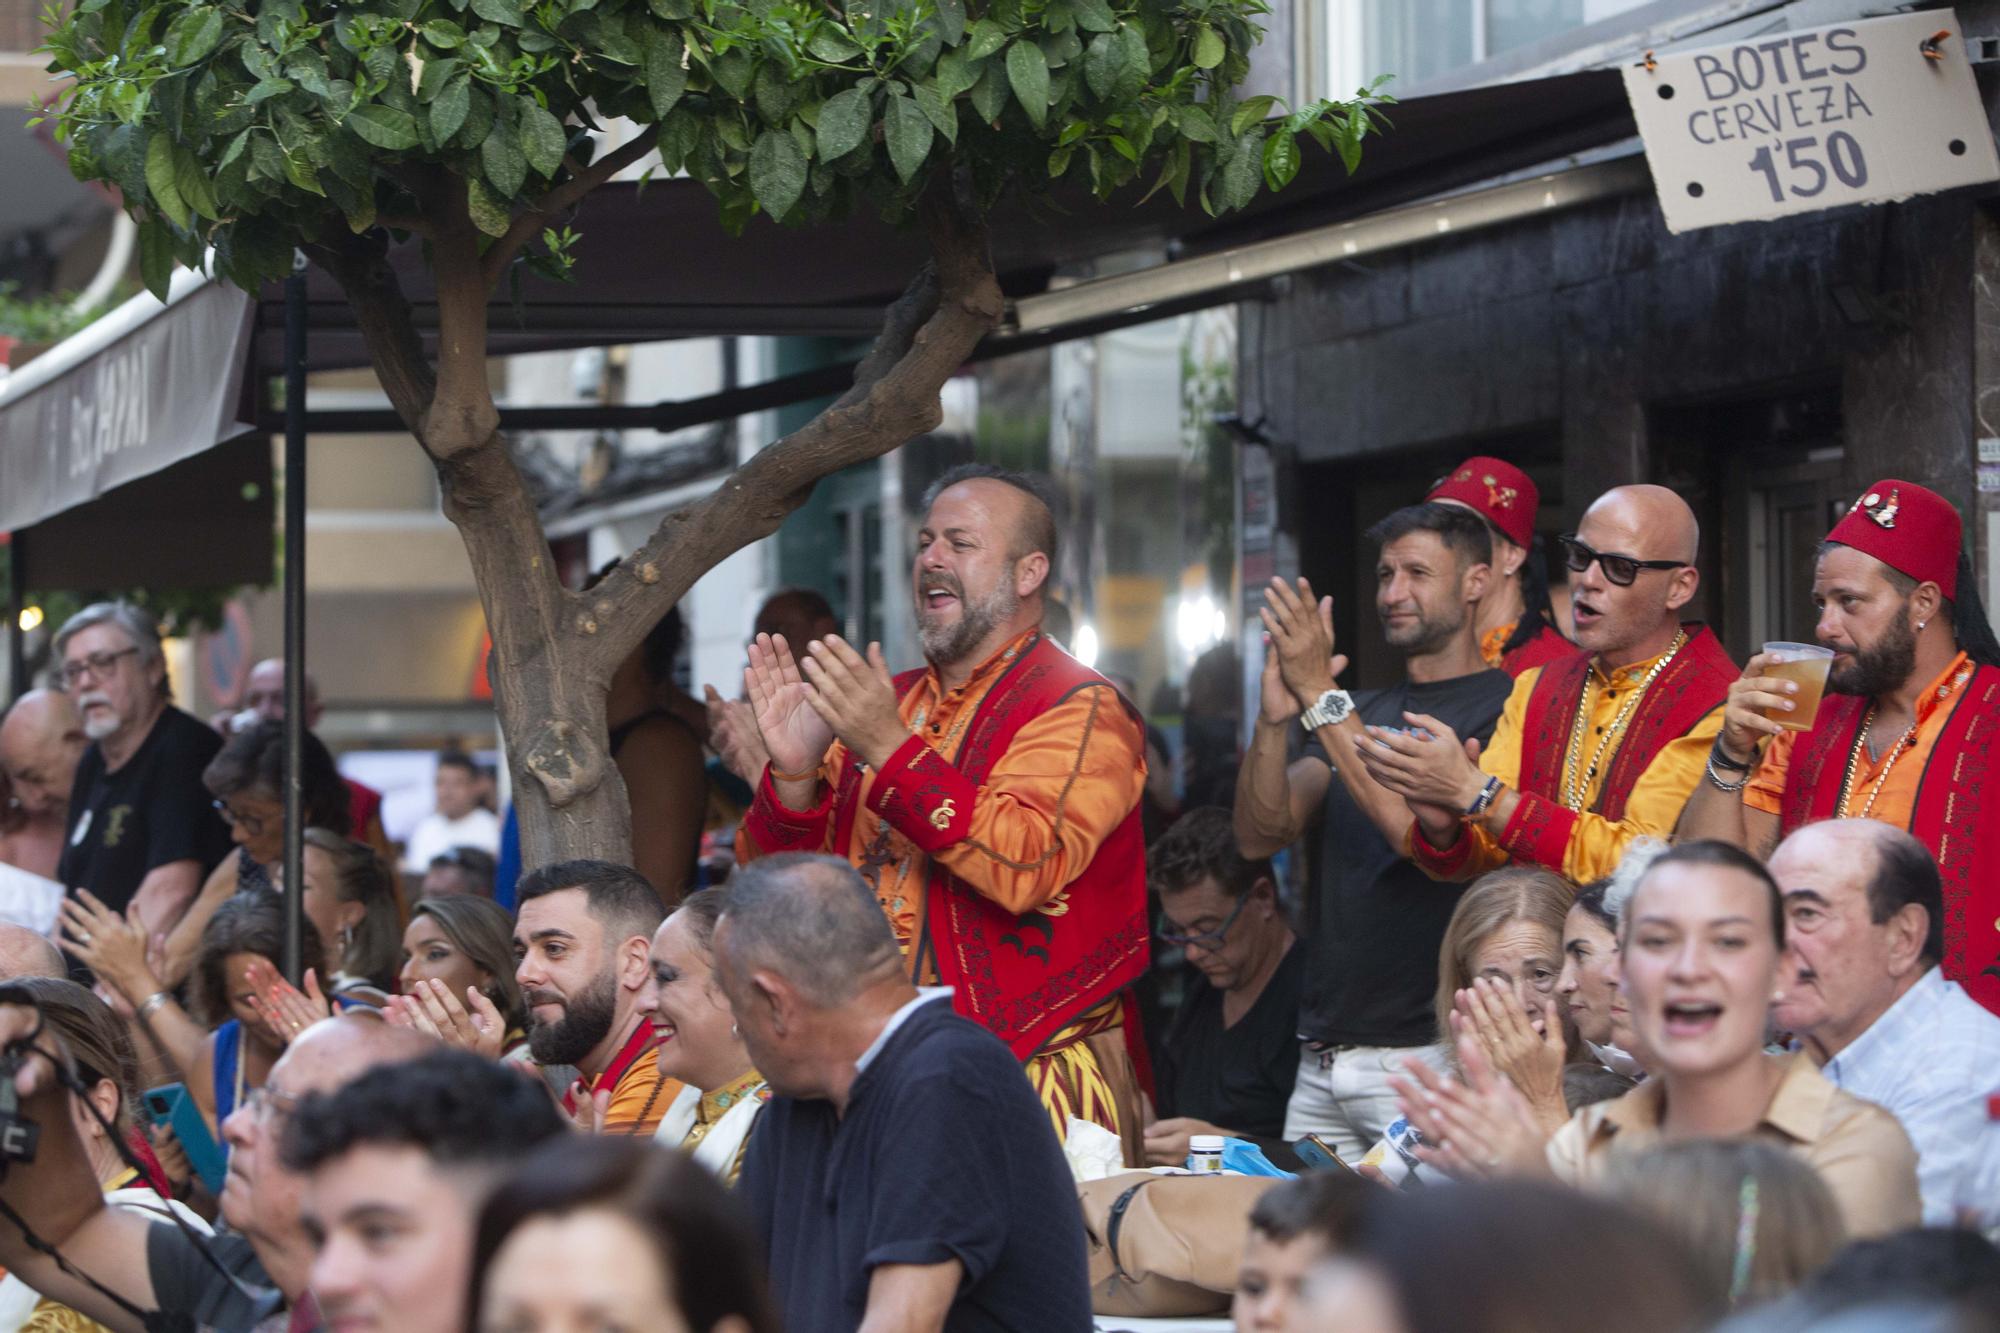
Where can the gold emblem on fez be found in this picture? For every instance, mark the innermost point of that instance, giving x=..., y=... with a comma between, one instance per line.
x=942, y=816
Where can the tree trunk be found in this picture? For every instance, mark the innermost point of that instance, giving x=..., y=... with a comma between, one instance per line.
x=554, y=651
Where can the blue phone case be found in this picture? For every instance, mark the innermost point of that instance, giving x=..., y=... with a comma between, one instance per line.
x=172, y=1106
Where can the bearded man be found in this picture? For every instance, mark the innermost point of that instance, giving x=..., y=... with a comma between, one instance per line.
x=991, y=799
x=1907, y=732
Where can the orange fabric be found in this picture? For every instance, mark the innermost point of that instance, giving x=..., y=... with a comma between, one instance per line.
x=1015, y=852
x=1897, y=800
x=1492, y=644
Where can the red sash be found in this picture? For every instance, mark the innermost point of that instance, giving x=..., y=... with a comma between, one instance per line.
x=1951, y=816
x=1547, y=646
x=1690, y=688
x=1026, y=977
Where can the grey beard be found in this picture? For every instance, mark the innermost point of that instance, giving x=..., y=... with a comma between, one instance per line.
x=947, y=646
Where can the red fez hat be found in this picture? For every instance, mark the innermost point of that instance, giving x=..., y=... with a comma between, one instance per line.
x=1499, y=492
x=1912, y=530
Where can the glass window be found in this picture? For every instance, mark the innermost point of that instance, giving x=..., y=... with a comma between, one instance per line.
x=1414, y=40
x=1512, y=23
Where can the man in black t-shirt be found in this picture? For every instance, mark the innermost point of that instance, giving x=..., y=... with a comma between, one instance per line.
x=142, y=827
x=1373, y=921
x=905, y=1173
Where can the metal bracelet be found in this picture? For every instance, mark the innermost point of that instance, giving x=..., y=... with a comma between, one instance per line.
x=153, y=1002
x=1486, y=797
x=1721, y=760
x=1715, y=779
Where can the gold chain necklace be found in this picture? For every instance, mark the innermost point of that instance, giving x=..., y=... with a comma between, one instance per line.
x=1575, y=786
x=1854, y=762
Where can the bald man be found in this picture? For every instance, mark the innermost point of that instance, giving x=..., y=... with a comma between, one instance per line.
x=41, y=742
x=991, y=800
x=1592, y=751
x=262, y=1267
x=24, y=953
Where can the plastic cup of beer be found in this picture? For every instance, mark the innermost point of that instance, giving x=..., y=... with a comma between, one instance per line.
x=1806, y=665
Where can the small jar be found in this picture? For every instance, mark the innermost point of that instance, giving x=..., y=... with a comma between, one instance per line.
x=1205, y=1154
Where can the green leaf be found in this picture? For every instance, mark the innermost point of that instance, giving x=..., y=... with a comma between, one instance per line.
x=156, y=257
x=1195, y=124
x=1071, y=132
x=951, y=21
x=733, y=70
x=666, y=78
x=1249, y=112
x=989, y=95
x=1240, y=175
x=672, y=10
x=448, y=111
x=1028, y=72
x=955, y=74
x=937, y=111
x=1137, y=66
x=383, y=126
x=1102, y=64
x=1281, y=160
x=1059, y=160
x=192, y=179
x=488, y=214
x=444, y=34
x=1208, y=47
x=542, y=138
x=193, y=35
x=160, y=182
x=777, y=172
x=831, y=44
x=267, y=89
x=234, y=151
x=505, y=12
x=909, y=134
x=506, y=166
x=1093, y=15
x=987, y=37
x=776, y=94
x=843, y=124
x=1124, y=148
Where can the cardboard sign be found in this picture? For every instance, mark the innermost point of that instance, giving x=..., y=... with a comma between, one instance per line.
x=1793, y=122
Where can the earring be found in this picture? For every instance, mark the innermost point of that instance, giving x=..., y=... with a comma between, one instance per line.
x=1921, y=624
x=735, y=1032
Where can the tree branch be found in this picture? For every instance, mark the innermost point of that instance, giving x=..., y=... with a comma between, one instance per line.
x=562, y=198
x=409, y=222
x=927, y=334
x=360, y=264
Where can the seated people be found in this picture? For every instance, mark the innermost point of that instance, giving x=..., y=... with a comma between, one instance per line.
x=1865, y=920
x=397, y=1163
x=905, y=1174
x=1295, y=1226
x=608, y=1233
x=1227, y=1063
x=465, y=946
x=1591, y=1000
x=459, y=819
x=459, y=870
x=353, y=900
x=723, y=1093
x=149, y=1265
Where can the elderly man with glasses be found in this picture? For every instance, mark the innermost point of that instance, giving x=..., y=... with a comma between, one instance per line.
x=1593, y=751
x=1228, y=1062
x=142, y=832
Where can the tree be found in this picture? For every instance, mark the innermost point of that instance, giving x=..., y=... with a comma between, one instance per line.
x=237, y=130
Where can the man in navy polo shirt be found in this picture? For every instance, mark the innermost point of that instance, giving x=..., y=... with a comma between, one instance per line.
x=906, y=1168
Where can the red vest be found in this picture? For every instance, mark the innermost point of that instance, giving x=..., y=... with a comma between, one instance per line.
x=1547, y=646
x=1025, y=978
x=1690, y=688
x=1950, y=816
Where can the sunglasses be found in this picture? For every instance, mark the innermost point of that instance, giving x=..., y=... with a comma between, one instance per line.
x=1619, y=569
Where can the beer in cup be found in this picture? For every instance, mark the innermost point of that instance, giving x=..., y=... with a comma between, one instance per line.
x=1806, y=664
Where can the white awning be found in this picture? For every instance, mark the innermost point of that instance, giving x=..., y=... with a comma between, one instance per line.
x=139, y=390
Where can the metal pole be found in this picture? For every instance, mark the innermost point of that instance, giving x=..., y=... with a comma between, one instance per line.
x=295, y=616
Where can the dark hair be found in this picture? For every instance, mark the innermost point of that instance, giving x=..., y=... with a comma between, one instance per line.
x=1591, y=899
x=814, y=919
x=811, y=603
x=1327, y=1204
x=255, y=758
x=619, y=896
x=708, y=1252
x=1200, y=845
x=374, y=951
x=1969, y=624
x=253, y=921
x=1536, y=609
x=458, y=759
x=1493, y=1258
x=1953, y=1264
x=1039, y=532
x=1720, y=856
x=703, y=910
x=483, y=931
x=97, y=1040
x=475, y=862
x=1462, y=531
x=459, y=1109
x=1905, y=873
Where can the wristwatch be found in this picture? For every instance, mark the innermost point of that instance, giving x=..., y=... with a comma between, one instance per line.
x=1330, y=709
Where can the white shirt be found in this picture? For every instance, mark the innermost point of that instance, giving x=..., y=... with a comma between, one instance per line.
x=435, y=835
x=1931, y=1060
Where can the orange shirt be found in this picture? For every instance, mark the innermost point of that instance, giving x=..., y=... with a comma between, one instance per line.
x=1897, y=773
x=1067, y=779
x=640, y=1091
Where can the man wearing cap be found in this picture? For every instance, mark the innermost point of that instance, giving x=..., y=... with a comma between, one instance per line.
x=1907, y=732
x=1516, y=625
x=1596, y=749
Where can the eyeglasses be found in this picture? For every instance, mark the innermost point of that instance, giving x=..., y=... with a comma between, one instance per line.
x=97, y=666
x=1209, y=940
x=267, y=1103
x=250, y=824
x=1620, y=569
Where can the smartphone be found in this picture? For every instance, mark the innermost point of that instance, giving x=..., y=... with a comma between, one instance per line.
x=1312, y=1150
x=174, y=1107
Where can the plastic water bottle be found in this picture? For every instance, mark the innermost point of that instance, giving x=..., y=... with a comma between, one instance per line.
x=1978, y=1201
x=1205, y=1154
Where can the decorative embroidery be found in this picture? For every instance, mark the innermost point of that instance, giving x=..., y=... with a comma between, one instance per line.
x=942, y=816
